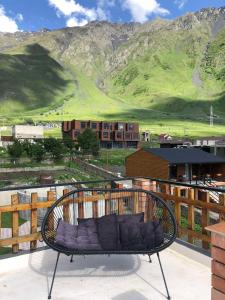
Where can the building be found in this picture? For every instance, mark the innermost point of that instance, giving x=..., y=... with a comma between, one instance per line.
x=175, y=164
x=5, y=141
x=110, y=134
x=27, y=132
x=145, y=136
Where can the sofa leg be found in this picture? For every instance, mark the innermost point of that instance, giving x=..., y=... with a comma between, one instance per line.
x=164, y=279
x=53, y=278
x=150, y=259
x=71, y=259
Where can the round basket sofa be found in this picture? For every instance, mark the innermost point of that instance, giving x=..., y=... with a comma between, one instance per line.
x=109, y=221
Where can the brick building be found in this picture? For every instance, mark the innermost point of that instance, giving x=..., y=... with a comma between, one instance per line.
x=110, y=134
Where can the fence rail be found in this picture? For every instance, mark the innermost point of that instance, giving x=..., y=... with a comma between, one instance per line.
x=191, y=204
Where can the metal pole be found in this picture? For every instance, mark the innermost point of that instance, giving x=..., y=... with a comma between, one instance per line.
x=50, y=292
x=164, y=279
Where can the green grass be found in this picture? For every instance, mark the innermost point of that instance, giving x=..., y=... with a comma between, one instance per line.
x=6, y=220
x=5, y=250
x=114, y=157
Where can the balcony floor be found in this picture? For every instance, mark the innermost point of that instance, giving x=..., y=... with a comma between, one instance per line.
x=118, y=277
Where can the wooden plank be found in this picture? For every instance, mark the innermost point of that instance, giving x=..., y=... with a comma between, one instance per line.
x=205, y=219
x=81, y=205
x=15, y=223
x=136, y=200
x=66, y=207
x=195, y=234
x=107, y=198
x=46, y=204
x=20, y=239
x=94, y=207
x=197, y=203
x=191, y=215
x=34, y=198
x=177, y=209
x=50, y=201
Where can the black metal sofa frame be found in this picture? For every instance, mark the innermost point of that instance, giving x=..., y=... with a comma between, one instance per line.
x=73, y=206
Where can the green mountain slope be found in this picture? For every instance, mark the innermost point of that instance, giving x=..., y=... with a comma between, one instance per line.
x=158, y=73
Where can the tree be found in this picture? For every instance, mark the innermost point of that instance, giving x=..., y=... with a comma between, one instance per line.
x=54, y=147
x=37, y=152
x=15, y=150
x=88, y=142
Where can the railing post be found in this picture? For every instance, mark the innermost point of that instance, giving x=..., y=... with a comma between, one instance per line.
x=143, y=203
x=66, y=207
x=34, y=197
x=205, y=218
x=81, y=206
x=51, y=197
x=94, y=206
x=191, y=215
x=15, y=222
x=177, y=209
x=120, y=200
x=107, y=201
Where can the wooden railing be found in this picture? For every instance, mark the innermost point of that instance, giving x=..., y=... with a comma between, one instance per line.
x=194, y=204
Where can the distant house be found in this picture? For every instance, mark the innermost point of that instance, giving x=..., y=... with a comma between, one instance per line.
x=27, y=132
x=175, y=164
x=5, y=141
x=110, y=134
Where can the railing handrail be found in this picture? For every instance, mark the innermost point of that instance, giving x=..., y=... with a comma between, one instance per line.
x=171, y=182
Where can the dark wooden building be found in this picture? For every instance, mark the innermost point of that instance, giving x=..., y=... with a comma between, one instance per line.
x=110, y=134
x=175, y=164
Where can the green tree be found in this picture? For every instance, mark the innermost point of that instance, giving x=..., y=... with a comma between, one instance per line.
x=15, y=150
x=89, y=142
x=54, y=147
x=37, y=152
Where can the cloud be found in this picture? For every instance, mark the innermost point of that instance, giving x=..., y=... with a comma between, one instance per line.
x=142, y=9
x=19, y=17
x=78, y=15
x=6, y=23
x=180, y=3
x=73, y=21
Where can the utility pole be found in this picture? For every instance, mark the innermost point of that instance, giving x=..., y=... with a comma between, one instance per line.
x=211, y=120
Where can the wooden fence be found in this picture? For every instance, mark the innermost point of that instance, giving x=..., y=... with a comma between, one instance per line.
x=169, y=192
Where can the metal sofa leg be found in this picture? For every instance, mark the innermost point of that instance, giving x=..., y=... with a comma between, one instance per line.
x=71, y=259
x=53, y=278
x=149, y=257
x=164, y=279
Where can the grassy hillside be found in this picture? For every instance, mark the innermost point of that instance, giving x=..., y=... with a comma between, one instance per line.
x=165, y=75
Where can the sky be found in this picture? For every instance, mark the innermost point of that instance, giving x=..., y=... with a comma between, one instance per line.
x=34, y=15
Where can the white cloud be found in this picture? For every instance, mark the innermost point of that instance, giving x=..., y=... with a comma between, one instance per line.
x=142, y=9
x=73, y=21
x=19, y=17
x=180, y=3
x=78, y=15
x=6, y=23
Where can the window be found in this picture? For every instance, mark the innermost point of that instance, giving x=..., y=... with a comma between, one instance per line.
x=120, y=126
x=83, y=124
x=119, y=135
x=105, y=135
x=130, y=127
x=93, y=125
x=106, y=126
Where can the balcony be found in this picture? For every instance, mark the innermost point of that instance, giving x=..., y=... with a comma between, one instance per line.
x=102, y=278
x=118, y=277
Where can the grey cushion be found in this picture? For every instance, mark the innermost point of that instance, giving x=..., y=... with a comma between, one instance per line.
x=131, y=236
x=108, y=232
x=78, y=237
x=66, y=235
x=159, y=234
x=132, y=218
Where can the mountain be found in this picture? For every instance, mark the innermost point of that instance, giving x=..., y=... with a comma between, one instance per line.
x=159, y=72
